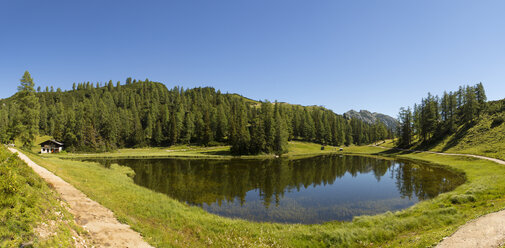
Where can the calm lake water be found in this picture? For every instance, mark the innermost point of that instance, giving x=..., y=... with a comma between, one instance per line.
x=312, y=190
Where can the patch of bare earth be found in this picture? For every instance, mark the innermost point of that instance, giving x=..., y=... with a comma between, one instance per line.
x=104, y=229
x=49, y=228
x=485, y=231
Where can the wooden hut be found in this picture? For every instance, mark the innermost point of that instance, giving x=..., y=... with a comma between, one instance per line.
x=51, y=146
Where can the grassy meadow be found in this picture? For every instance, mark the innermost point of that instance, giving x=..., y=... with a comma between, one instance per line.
x=30, y=211
x=165, y=222
x=296, y=149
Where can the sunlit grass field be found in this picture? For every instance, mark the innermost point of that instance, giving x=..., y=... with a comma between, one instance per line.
x=296, y=149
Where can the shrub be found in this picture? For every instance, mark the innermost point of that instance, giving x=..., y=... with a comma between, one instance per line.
x=497, y=121
x=459, y=199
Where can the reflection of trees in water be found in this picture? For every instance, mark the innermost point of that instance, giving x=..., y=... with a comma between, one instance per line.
x=425, y=182
x=209, y=181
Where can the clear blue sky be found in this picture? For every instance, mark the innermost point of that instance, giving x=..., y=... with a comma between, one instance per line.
x=375, y=55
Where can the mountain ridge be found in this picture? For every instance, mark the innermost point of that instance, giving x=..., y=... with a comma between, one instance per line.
x=370, y=118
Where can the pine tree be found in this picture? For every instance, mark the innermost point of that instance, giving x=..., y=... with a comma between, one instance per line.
x=173, y=132
x=189, y=127
x=308, y=125
x=69, y=137
x=281, y=133
x=267, y=115
x=59, y=122
x=258, y=142
x=406, y=133
x=481, y=98
x=29, y=110
x=4, y=124
x=470, y=107
x=239, y=135
x=222, y=124
x=207, y=130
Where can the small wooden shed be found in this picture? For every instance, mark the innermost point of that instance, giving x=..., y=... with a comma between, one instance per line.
x=51, y=146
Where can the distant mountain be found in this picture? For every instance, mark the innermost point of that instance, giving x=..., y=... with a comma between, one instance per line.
x=369, y=117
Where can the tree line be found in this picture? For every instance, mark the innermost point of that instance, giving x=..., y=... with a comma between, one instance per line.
x=140, y=113
x=435, y=117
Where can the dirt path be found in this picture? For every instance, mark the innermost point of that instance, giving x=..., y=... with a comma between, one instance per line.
x=499, y=161
x=99, y=221
x=485, y=231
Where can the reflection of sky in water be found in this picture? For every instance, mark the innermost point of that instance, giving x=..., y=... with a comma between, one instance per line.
x=273, y=190
x=346, y=197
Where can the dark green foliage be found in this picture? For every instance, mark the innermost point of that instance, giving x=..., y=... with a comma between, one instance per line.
x=280, y=145
x=481, y=98
x=437, y=117
x=19, y=200
x=406, y=127
x=497, y=121
x=144, y=113
x=28, y=120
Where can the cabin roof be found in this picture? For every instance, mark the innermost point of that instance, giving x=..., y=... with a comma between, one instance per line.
x=51, y=142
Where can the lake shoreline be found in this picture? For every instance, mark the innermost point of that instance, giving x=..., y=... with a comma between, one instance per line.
x=315, y=190
x=297, y=150
x=167, y=222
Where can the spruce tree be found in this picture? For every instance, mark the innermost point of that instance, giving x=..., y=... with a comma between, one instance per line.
x=29, y=110
x=471, y=105
x=406, y=134
x=281, y=133
x=481, y=98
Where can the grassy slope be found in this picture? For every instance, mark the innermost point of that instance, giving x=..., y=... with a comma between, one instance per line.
x=485, y=137
x=482, y=139
x=29, y=207
x=166, y=222
x=36, y=142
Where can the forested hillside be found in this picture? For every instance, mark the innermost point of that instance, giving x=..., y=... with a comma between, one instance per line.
x=436, y=118
x=143, y=113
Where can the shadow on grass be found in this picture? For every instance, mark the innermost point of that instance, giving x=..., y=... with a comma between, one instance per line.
x=426, y=146
x=217, y=153
x=452, y=142
x=396, y=151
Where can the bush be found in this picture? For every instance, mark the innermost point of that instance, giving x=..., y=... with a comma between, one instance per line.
x=459, y=199
x=497, y=121
x=215, y=143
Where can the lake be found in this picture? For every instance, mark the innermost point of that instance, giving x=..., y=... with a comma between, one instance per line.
x=309, y=190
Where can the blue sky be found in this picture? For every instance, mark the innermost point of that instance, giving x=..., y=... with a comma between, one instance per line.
x=375, y=55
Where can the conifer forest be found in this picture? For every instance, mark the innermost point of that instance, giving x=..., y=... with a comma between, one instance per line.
x=107, y=116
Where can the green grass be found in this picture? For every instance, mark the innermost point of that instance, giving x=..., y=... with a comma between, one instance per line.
x=36, y=142
x=296, y=149
x=28, y=208
x=165, y=222
x=484, y=138
x=388, y=143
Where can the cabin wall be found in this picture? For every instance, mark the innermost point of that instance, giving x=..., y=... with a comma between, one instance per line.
x=46, y=149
